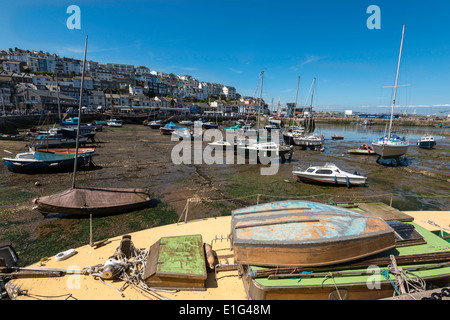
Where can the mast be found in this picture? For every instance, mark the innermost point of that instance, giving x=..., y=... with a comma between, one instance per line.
x=296, y=97
x=312, y=94
x=57, y=96
x=396, y=82
x=278, y=108
x=79, y=116
x=260, y=98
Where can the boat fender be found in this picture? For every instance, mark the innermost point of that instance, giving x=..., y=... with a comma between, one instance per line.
x=210, y=256
x=65, y=254
x=347, y=181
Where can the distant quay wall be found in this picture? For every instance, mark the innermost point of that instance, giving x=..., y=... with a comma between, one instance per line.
x=413, y=121
x=11, y=123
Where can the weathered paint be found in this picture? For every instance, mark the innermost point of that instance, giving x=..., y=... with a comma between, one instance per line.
x=287, y=225
x=306, y=233
x=182, y=255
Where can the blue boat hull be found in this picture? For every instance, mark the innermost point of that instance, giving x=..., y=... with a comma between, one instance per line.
x=41, y=166
x=426, y=144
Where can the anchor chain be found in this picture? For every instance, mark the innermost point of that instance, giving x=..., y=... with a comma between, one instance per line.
x=445, y=292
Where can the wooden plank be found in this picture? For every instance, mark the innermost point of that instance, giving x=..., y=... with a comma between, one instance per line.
x=382, y=210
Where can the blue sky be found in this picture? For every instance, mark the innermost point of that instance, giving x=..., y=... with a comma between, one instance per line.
x=231, y=42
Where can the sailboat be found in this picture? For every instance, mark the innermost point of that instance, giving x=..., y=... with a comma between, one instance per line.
x=309, y=138
x=392, y=146
x=91, y=201
x=264, y=149
x=293, y=131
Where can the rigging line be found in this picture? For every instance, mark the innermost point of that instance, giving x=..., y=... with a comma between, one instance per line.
x=252, y=103
x=316, y=195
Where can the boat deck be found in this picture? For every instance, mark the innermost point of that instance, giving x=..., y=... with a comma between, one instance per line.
x=83, y=287
x=227, y=286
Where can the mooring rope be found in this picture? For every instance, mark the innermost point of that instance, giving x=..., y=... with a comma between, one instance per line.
x=131, y=271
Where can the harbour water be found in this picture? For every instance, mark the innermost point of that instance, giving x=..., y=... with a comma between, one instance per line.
x=356, y=135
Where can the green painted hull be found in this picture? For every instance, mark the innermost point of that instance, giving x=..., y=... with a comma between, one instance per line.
x=356, y=283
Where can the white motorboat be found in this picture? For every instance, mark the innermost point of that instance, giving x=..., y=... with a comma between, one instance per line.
x=186, y=123
x=266, y=150
x=288, y=136
x=329, y=174
x=311, y=140
x=271, y=127
x=156, y=124
x=114, y=123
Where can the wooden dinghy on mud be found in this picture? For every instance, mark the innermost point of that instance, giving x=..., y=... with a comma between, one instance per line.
x=303, y=233
x=95, y=201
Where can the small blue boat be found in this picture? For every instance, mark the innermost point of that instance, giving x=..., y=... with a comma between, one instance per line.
x=426, y=142
x=169, y=128
x=34, y=162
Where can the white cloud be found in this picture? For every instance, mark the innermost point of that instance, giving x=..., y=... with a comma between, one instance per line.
x=235, y=71
x=308, y=60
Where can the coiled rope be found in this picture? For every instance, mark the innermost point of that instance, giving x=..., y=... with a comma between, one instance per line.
x=131, y=271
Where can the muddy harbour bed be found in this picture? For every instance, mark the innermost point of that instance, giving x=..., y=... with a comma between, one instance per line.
x=135, y=156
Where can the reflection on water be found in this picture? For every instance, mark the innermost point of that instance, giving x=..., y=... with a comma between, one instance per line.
x=366, y=134
x=356, y=135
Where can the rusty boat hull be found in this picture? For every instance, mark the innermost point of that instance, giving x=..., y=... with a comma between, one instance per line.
x=302, y=233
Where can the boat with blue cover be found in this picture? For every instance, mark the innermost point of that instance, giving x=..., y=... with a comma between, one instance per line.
x=34, y=162
x=56, y=140
x=170, y=128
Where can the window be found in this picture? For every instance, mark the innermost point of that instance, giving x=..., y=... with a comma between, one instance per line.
x=324, y=172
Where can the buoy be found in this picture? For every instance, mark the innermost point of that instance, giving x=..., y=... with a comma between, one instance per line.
x=37, y=184
x=65, y=254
